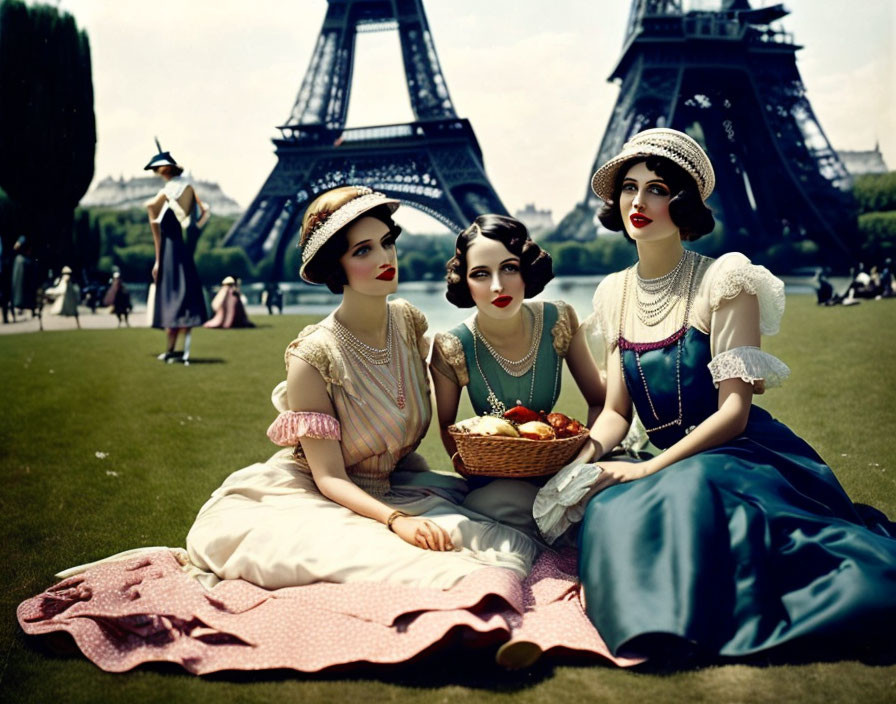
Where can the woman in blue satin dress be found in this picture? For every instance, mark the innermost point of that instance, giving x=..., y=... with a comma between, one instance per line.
x=736, y=537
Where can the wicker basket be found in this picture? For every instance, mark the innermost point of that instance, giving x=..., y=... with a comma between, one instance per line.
x=502, y=456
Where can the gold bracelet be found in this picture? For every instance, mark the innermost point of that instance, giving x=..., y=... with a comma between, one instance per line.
x=394, y=516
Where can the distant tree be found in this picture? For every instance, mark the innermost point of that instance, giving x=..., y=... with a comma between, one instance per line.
x=414, y=266
x=875, y=193
x=47, y=127
x=878, y=232
x=214, y=264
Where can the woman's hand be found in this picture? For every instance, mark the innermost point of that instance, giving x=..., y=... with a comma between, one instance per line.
x=620, y=471
x=423, y=533
x=155, y=271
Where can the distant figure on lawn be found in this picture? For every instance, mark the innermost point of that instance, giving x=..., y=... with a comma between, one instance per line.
x=9, y=310
x=272, y=297
x=118, y=298
x=24, y=278
x=824, y=290
x=65, y=296
x=228, y=306
x=179, y=303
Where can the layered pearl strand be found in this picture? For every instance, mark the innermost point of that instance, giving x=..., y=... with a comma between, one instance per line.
x=519, y=367
x=371, y=357
x=656, y=298
x=514, y=368
x=688, y=293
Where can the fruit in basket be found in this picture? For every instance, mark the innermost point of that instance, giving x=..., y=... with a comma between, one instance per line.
x=564, y=426
x=536, y=430
x=487, y=425
x=521, y=414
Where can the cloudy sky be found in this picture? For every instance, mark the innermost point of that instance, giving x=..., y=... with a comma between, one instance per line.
x=212, y=78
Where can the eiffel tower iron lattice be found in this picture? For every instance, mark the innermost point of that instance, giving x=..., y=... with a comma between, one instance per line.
x=729, y=79
x=433, y=163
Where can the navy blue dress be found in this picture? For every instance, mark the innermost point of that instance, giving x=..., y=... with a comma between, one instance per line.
x=736, y=549
x=179, y=301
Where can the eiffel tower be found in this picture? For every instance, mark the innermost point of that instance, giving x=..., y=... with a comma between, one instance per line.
x=729, y=79
x=433, y=164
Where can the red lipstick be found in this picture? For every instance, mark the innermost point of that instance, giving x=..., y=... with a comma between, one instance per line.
x=387, y=275
x=639, y=220
x=502, y=301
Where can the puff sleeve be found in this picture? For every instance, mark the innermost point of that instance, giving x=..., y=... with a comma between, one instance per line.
x=744, y=302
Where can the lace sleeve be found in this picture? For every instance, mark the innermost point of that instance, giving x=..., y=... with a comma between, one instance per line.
x=311, y=347
x=448, y=358
x=750, y=364
x=565, y=327
x=732, y=274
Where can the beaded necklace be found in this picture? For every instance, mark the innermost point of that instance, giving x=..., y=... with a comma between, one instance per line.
x=677, y=338
x=373, y=358
x=657, y=297
x=498, y=407
x=519, y=367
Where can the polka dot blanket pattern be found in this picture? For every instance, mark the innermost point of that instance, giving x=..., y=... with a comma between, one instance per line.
x=147, y=609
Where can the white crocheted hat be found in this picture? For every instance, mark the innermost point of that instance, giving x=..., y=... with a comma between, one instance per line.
x=674, y=145
x=329, y=224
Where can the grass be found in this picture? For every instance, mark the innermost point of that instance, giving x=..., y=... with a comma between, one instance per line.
x=171, y=434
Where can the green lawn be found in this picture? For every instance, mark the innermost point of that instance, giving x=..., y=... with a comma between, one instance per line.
x=171, y=435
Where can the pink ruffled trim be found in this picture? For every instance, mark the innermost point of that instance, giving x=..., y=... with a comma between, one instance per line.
x=291, y=426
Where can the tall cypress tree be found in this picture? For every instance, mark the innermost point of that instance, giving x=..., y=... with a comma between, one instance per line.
x=47, y=125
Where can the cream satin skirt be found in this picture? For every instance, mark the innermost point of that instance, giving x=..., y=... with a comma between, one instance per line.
x=269, y=524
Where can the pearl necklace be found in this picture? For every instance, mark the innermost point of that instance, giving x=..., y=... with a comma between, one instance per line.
x=519, y=367
x=689, y=291
x=656, y=298
x=497, y=405
x=375, y=356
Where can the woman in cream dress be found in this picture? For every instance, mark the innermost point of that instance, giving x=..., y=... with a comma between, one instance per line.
x=349, y=499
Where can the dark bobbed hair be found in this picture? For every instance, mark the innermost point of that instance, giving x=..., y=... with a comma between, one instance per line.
x=686, y=208
x=535, y=263
x=325, y=266
x=175, y=168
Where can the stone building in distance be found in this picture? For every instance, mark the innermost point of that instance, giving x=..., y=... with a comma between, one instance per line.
x=124, y=194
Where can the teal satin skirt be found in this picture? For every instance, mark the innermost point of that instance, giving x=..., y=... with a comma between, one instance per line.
x=736, y=550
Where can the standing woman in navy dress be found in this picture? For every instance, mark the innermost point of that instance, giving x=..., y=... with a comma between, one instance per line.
x=736, y=537
x=179, y=303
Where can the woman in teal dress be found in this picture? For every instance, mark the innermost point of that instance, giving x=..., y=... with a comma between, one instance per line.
x=736, y=537
x=510, y=352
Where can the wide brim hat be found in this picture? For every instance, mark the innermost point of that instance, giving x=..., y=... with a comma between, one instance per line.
x=675, y=146
x=228, y=280
x=161, y=159
x=325, y=228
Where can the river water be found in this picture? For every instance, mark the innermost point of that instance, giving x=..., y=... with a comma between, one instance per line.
x=429, y=297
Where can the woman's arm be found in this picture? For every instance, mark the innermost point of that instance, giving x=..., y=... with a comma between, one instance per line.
x=306, y=391
x=186, y=202
x=614, y=420
x=735, y=324
x=586, y=374
x=447, y=394
x=153, y=209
